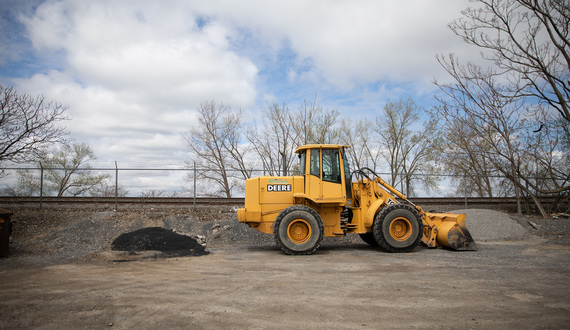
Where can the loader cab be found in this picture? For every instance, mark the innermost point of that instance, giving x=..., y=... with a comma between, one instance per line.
x=326, y=172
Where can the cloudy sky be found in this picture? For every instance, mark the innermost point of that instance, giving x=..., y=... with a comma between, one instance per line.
x=133, y=71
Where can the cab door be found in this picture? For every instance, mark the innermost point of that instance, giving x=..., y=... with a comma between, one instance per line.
x=313, y=182
x=332, y=176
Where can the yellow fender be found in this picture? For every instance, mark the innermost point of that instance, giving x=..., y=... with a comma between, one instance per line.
x=371, y=212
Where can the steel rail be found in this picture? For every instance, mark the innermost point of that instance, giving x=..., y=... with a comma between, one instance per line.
x=122, y=200
x=239, y=201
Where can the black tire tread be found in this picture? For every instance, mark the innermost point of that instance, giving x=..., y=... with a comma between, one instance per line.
x=293, y=208
x=377, y=228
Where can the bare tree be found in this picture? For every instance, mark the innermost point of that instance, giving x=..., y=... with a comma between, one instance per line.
x=66, y=172
x=526, y=44
x=529, y=43
x=420, y=156
x=28, y=183
x=549, y=160
x=108, y=190
x=475, y=101
x=408, y=150
x=357, y=134
x=314, y=125
x=238, y=150
x=283, y=130
x=460, y=155
x=365, y=148
x=215, y=143
x=274, y=140
x=394, y=128
x=152, y=193
x=28, y=125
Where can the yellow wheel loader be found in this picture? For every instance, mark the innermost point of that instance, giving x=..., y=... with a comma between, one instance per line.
x=324, y=201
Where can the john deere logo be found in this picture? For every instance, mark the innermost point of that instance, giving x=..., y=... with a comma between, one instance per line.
x=278, y=181
x=278, y=187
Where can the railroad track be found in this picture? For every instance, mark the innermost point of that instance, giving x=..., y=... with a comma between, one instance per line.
x=480, y=201
x=122, y=200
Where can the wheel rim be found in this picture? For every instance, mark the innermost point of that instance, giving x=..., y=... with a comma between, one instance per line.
x=400, y=229
x=299, y=231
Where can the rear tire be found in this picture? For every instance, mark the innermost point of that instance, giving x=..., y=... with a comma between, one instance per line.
x=298, y=230
x=398, y=228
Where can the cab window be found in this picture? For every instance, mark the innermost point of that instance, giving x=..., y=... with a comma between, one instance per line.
x=303, y=159
x=331, y=166
x=347, y=174
x=316, y=162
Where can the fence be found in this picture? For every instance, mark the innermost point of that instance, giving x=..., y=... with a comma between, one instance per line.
x=138, y=180
x=170, y=180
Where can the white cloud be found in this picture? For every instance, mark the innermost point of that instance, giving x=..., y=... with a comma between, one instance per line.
x=143, y=51
x=354, y=42
x=133, y=72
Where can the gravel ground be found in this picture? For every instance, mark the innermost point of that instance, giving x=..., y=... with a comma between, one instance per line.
x=64, y=274
x=60, y=236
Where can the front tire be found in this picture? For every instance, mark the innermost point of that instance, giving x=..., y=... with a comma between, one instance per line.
x=298, y=230
x=398, y=228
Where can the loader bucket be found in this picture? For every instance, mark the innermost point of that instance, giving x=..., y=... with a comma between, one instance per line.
x=451, y=231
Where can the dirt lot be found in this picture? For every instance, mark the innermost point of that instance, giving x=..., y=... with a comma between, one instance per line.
x=63, y=274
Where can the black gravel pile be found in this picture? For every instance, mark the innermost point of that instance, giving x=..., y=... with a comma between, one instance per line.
x=158, y=239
